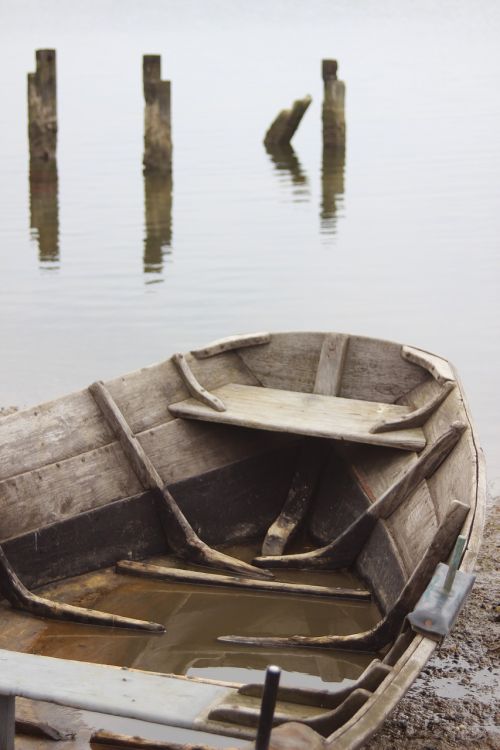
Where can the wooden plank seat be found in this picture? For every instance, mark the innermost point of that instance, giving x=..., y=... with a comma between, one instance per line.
x=163, y=699
x=304, y=414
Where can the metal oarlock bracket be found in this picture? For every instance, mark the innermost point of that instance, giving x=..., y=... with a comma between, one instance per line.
x=444, y=597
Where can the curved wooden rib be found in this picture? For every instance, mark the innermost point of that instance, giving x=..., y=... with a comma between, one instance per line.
x=386, y=630
x=194, y=387
x=20, y=598
x=418, y=417
x=439, y=368
x=231, y=342
x=343, y=551
x=145, y=570
x=310, y=462
x=180, y=535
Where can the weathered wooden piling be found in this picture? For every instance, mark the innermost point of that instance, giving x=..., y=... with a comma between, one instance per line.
x=286, y=123
x=42, y=107
x=333, y=106
x=157, y=117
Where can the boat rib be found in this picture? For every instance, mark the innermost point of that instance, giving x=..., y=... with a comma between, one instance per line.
x=343, y=550
x=179, y=533
x=388, y=627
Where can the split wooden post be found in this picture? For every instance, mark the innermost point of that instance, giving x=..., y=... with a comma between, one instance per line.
x=157, y=120
x=42, y=107
x=7, y=721
x=333, y=106
x=286, y=123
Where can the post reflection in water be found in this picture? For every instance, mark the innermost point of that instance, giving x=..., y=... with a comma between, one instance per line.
x=158, y=222
x=287, y=164
x=332, y=187
x=44, y=212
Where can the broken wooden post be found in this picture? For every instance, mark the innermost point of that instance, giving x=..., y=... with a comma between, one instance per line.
x=42, y=107
x=286, y=123
x=157, y=125
x=333, y=106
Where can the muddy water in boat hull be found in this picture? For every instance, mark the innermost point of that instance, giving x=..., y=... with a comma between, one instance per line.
x=195, y=615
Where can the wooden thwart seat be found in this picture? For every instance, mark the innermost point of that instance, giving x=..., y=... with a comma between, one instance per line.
x=304, y=414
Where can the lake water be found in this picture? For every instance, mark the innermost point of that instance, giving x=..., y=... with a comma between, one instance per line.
x=400, y=240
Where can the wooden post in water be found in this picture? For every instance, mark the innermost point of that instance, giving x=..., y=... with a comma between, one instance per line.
x=157, y=121
x=286, y=123
x=333, y=106
x=42, y=107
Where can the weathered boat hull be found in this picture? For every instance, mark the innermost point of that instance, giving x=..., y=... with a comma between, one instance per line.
x=115, y=473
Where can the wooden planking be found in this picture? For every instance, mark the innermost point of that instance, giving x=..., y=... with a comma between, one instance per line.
x=143, y=396
x=178, y=450
x=147, y=696
x=385, y=581
x=227, y=505
x=413, y=526
x=88, y=541
x=58, y=491
x=331, y=364
x=439, y=368
x=231, y=342
x=303, y=414
x=51, y=432
x=374, y=370
x=289, y=361
x=458, y=476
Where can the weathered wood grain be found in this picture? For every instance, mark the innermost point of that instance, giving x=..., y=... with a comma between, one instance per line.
x=343, y=550
x=418, y=417
x=194, y=387
x=313, y=453
x=228, y=505
x=438, y=367
x=178, y=449
x=331, y=364
x=180, y=534
x=289, y=361
x=160, y=572
x=375, y=371
x=51, y=432
x=146, y=696
x=303, y=414
x=231, y=342
x=21, y=598
x=143, y=396
x=283, y=127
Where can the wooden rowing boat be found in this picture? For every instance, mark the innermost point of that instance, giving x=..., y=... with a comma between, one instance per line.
x=334, y=452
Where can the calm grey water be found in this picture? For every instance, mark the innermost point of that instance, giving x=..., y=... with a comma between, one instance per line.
x=400, y=240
